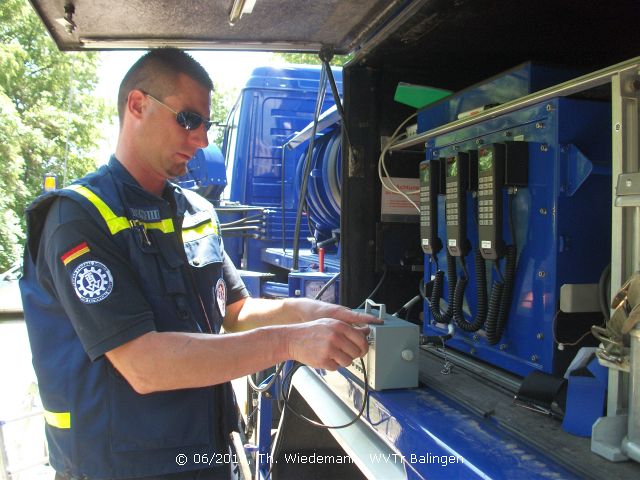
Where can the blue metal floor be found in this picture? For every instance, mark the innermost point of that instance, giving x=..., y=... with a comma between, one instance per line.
x=433, y=432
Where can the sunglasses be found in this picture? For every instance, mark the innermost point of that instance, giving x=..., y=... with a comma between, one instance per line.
x=187, y=120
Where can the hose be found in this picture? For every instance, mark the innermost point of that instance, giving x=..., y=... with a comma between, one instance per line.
x=241, y=229
x=307, y=169
x=436, y=294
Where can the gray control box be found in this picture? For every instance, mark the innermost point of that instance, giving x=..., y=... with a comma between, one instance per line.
x=393, y=357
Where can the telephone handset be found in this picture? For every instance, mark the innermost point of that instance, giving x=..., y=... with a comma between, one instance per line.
x=429, y=190
x=490, y=182
x=457, y=184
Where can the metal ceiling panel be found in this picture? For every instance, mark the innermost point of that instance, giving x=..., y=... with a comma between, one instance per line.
x=280, y=25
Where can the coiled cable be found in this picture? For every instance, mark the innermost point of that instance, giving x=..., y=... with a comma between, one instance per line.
x=436, y=294
x=481, y=295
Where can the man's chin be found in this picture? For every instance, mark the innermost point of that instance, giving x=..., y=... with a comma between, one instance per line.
x=178, y=171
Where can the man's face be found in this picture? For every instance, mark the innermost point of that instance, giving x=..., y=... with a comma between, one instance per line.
x=170, y=146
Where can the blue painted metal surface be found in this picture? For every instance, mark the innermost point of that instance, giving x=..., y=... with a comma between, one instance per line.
x=274, y=104
x=517, y=82
x=436, y=438
x=206, y=173
x=274, y=290
x=562, y=224
x=308, y=284
x=254, y=281
x=308, y=260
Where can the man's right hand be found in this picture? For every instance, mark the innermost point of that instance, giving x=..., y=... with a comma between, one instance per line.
x=326, y=343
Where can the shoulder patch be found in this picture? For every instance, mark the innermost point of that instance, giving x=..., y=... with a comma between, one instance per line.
x=92, y=281
x=221, y=296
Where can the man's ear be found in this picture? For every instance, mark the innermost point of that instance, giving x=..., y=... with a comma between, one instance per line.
x=136, y=102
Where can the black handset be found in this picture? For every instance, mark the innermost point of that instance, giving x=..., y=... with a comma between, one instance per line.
x=457, y=184
x=429, y=190
x=490, y=182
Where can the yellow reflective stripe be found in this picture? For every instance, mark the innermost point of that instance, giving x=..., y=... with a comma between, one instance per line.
x=165, y=226
x=58, y=419
x=200, y=231
x=114, y=223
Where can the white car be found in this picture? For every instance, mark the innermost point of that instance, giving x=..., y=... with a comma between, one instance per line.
x=10, y=300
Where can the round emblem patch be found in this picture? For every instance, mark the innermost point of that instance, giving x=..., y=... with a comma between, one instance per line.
x=92, y=282
x=221, y=296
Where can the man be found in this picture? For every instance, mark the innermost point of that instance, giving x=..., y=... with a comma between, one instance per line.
x=127, y=286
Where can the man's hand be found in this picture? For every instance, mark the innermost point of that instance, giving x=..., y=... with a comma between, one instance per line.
x=327, y=343
x=250, y=313
x=307, y=310
x=318, y=334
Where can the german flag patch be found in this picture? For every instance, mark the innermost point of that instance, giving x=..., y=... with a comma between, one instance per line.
x=75, y=252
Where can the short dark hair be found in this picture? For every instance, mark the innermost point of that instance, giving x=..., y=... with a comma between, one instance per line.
x=156, y=71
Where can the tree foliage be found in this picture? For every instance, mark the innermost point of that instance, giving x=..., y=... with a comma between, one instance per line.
x=222, y=101
x=48, y=117
x=311, y=58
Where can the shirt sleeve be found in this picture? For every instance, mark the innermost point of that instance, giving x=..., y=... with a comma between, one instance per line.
x=81, y=265
x=236, y=290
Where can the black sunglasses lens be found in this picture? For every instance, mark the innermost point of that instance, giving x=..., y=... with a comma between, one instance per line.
x=189, y=120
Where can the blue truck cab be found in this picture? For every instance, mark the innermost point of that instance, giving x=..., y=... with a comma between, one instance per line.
x=264, y=171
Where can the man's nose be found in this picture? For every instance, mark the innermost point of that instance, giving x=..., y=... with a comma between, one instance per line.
x=199, y=136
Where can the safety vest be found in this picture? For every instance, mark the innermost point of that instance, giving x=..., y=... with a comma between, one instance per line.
x=97, y=426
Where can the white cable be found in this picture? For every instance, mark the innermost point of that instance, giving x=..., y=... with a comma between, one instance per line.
x=390, y=186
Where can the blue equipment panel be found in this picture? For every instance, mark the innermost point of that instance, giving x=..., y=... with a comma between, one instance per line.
x=561, y=220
